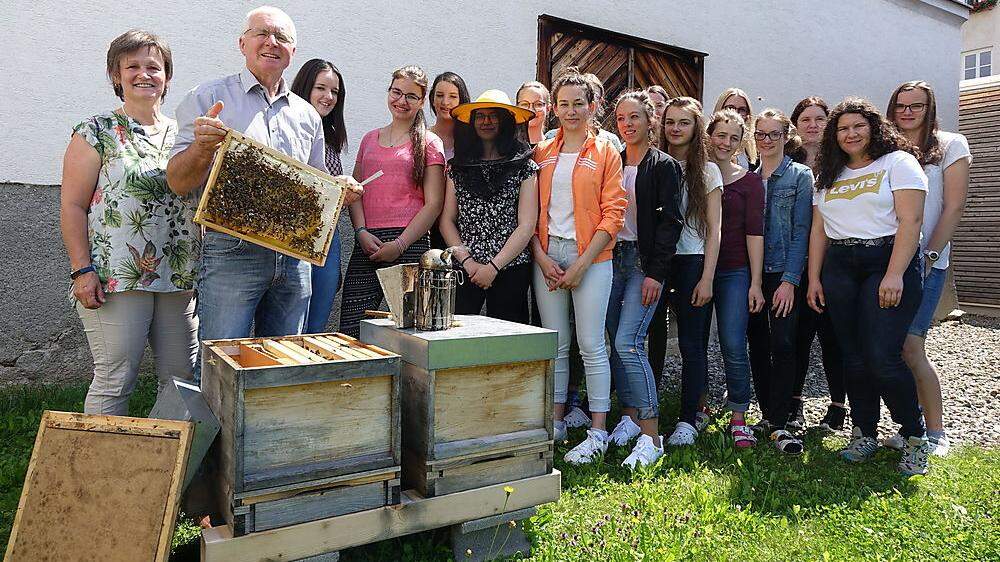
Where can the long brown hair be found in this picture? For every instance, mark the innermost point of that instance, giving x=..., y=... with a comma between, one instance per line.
x=930, y=148
x=418, y=129
x=885, y=138
x=793, y=148
x=696, y=214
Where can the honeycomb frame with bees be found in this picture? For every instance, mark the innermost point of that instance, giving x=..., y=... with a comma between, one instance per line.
x=263, y=196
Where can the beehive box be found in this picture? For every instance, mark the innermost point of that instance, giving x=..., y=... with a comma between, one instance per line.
x=477, y=401
x=263, y=196
x=309, y=427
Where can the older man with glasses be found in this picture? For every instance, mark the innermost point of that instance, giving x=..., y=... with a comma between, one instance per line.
x=240, y=283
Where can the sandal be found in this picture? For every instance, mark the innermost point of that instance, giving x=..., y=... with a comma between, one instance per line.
x=743, y=436
x=786, y=442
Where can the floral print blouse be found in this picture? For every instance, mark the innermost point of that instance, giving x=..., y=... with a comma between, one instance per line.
x=142, y=236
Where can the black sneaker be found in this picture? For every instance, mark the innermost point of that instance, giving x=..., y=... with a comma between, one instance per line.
x=834, y=418
x=797, y=421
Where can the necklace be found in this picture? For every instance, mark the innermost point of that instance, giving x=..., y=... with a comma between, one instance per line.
x=393, y=143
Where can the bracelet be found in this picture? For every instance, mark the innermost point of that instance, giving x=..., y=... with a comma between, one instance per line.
x=359, y=230
x=467, y=258
x=82, y=271
x=400, y=246
x=494, y=266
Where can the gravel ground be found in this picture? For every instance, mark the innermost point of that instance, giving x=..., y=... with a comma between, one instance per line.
x=966, y=353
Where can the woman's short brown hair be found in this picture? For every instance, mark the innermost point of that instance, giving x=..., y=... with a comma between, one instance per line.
x=129, y=42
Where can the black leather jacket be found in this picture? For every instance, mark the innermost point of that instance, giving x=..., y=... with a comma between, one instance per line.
x=658, y=215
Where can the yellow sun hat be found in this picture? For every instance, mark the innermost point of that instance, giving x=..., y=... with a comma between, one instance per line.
x=492, y=98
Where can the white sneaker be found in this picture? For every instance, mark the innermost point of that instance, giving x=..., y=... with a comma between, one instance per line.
x=896, y=442
x=558, y=431
x=576, y=418
x=701, y=420
x=684, y=434
x=645, y=452
x=625, y=431
x=940, y=446
x=595, y=445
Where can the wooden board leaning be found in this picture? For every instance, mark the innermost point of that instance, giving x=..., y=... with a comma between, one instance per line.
x=89, y=475
x=265, y=197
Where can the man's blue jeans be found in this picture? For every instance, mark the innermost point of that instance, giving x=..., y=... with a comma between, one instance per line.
x=243, y=285
x=732, y=312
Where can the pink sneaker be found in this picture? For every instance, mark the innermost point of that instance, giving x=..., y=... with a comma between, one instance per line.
x=743, y=436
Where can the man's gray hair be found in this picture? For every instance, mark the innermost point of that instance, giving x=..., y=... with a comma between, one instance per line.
x=273, y=11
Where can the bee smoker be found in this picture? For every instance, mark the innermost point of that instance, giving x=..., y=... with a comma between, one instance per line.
x=436, y=286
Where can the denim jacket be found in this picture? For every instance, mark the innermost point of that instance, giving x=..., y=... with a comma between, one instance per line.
x=787, y=219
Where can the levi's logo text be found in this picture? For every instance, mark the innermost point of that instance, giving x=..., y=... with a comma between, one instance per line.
x=853, y=187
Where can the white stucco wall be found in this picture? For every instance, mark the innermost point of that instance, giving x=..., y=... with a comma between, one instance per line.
x=53, y=72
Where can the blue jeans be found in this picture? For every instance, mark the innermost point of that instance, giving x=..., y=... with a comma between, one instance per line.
x=693, y=324
x=732, y=312
x=243, y=284
x=871, y=337
x=933, y=287
x=325, y=284
x=627, y=322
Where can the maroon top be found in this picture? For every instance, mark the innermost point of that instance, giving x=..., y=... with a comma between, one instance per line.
x=742, y=216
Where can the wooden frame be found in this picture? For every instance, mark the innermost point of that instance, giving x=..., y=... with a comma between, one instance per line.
x=413, y=515
x=57, y=422
x=233, y=137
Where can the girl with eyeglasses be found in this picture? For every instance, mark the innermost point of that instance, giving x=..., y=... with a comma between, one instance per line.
x=393, y=217
x=582, y=205
x=788, y=187
x=737, y=100
x=534, y=96
x=642, y=258
x=321, y=84
x=864, y=270
x=945, y=158
x=692, y=272
x=738, y=278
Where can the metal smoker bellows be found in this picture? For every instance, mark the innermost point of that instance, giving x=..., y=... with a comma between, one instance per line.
x=436, y=286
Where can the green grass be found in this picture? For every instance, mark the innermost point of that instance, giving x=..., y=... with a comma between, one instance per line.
x=708, y=502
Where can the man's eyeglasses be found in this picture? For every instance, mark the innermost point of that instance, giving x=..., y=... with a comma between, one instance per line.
x=913, y=107
x=279, y=35
x=396, y=93
x=773, y=135
x=741, y=110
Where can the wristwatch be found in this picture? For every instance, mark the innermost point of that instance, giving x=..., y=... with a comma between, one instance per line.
x=81, y=271
x=932, y=255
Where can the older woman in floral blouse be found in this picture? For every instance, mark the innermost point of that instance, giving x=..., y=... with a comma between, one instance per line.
x=132, y=246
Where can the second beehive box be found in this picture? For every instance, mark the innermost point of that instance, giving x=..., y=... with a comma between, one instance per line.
x=476, y=401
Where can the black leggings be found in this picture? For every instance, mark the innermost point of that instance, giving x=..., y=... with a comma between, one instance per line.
x=812, y=324
x=506, y=299
x=775, y=384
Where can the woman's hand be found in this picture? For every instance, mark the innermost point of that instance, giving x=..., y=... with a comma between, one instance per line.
x=471, y=267
x=369, y=242
x=783, y=299
x=650, y=291
x=87, y=289
x=388, y=252
x=550, y=270
x=814, y=296
x=484, y=275
x=573, y=276
x=890, y=290
x=702, y=292
x=756, y=298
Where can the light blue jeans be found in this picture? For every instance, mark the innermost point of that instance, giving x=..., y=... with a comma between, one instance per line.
x=243, y=285
x=590, y=305
x=325, y=284
x=627, y=322
x=732, y=313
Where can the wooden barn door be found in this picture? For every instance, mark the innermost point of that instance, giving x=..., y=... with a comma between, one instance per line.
x=975, y=254
x=620, y=61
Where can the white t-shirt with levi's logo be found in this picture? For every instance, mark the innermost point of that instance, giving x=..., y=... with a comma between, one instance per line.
x=860, y=202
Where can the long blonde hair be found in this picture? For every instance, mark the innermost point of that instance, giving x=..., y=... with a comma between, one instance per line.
x=751, y=148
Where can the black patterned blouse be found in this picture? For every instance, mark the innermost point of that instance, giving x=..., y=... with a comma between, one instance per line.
x=487, y=196
x=333, y=165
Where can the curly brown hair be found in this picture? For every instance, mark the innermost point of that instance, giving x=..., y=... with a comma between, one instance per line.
x=884, y=139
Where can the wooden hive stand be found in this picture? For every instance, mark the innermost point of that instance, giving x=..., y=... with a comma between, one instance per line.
x=477, y=402
x=309, y=428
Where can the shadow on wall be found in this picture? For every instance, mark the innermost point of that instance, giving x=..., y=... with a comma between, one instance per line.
x=41, y=336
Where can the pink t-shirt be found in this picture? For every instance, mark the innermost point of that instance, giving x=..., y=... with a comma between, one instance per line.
x=392, y=200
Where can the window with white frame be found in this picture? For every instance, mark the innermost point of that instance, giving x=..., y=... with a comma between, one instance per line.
x=977, y=64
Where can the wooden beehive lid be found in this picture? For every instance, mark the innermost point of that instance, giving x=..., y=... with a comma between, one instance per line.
x=101, y=488
x=475, y=340
x=330, y=189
